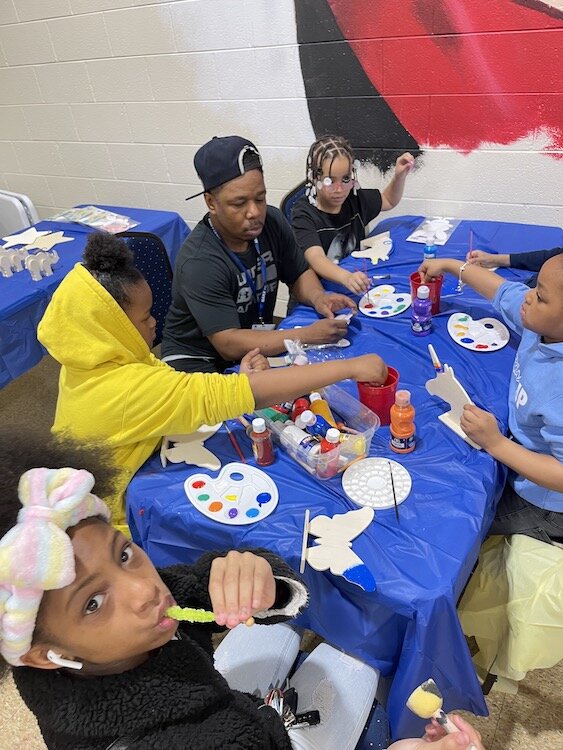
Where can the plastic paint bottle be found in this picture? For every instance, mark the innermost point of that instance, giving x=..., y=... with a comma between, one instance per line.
x=299, y=406
x=295, y=439
x=429, y=249
x=262, y=446
x=421, y=315
x=320, y=406
x=315, y=425
x=327, y=465
x=402, y=423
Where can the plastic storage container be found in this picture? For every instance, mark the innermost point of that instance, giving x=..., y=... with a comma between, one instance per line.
x=354, y=414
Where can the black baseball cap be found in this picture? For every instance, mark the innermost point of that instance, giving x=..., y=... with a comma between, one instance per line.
x=220, y=160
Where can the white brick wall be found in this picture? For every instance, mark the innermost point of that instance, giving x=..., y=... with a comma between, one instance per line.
x=107, y=100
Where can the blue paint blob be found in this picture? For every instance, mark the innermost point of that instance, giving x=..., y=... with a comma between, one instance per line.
x=263, y=497
x=233, y=513
x=361, y=576
x=252, y=512
x=467, y=341
x=384, y=312
x=400, y=299
x=236, y=476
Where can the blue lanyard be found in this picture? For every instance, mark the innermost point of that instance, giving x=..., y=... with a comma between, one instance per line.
x=260, y=302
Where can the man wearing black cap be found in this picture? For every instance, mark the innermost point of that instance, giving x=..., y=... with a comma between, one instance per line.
x=227, y=271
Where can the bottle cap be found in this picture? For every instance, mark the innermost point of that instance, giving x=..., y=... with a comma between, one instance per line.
x=333, y=435
x=315, y=396
x=403, y=398
x=423, y=292
x=258, y=425
x=307, y=417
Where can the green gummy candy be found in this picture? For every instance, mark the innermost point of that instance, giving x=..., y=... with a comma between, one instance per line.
x=189, y=614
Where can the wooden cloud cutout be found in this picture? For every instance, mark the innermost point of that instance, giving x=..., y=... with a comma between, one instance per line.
x=375, y=248
x=332, y=549
x=190, y=449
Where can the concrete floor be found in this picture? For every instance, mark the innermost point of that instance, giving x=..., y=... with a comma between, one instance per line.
x=530, y=720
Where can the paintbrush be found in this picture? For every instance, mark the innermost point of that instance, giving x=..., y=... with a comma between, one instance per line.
x=470, y=243
x=236, y=446
x=381, y=276
x=426, y=701
x=394, y=493
x=435, y=361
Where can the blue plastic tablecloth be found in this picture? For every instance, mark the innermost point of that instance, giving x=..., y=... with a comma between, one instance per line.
x=408, y=628
x=23, y=301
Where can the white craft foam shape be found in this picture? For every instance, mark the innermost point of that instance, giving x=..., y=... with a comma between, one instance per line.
x=5, y=265
x=375, y=248
x=33, y=265
x=447, y=387
x=49, y=241
x=24, y=238
x=332, y=549
x=190, y=448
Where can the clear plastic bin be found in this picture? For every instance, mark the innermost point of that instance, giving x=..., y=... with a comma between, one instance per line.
x=354, y=446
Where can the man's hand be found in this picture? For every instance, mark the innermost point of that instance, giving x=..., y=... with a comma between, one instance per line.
x=329, y=303
x=404, y=164
x=240, y=584
x=325, y=331
x=357, y=282
x=481, y=426
x=253, y=361
x=369, y=368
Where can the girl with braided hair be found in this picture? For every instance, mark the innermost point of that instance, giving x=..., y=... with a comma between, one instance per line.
x=331, y=218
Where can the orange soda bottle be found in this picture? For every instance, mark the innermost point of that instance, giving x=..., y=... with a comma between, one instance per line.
x=402, y=423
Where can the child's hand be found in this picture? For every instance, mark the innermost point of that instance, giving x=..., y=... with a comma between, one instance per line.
x=462, y=740
x=480, y=425
x=404, y=164
x=429, y=269
x=329, y=303
x=357, y=282
x=240, y=584
x=253, y=361
x=369, y=368
x=481, y=258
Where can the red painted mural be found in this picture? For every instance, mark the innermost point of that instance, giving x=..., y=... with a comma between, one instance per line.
x=453, y=73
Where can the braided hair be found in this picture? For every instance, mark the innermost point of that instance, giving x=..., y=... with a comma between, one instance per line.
x=328, y=147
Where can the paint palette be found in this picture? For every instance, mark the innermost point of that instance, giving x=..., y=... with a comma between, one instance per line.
x=383, y=302
x=484, y=335
x=241, y=494
x=368, y=483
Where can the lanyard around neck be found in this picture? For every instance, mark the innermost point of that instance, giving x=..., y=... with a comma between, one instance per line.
x=260, y=302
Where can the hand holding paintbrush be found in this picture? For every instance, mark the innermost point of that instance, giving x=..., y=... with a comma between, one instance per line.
x=426, y=701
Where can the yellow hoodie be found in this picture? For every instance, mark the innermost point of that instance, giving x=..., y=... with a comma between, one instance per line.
x=112, y=388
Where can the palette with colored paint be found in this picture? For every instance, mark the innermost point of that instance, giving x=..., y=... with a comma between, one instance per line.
x=241, y=494
x=383, y=302
x=368, y=482
x=484, y=335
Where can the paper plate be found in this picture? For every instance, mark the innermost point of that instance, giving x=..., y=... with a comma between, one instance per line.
x=483, y=335
x=241, y=494
x=383, y=302
x=368, y=483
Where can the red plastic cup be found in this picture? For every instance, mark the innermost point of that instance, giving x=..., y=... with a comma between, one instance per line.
x=380, y=398
x=435, y=287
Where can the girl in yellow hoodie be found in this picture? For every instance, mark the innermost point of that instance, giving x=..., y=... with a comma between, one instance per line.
x=99, y=327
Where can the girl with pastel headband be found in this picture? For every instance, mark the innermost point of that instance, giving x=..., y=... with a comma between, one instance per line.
x=83, y=623
x=99, y=327
x=331, y=218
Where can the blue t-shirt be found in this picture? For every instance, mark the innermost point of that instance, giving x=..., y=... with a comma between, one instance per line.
x=535, y=398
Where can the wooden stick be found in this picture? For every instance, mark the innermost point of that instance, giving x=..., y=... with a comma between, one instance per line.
x=233, y=440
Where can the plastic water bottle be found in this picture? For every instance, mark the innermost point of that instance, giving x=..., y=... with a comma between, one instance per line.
x=402, y=423
x=429, y=249
x=421, y=315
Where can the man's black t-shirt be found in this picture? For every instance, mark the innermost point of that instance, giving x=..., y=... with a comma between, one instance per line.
x=338, y=234
x=211, y=294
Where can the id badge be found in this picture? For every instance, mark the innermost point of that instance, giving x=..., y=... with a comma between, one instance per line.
x=263, y=326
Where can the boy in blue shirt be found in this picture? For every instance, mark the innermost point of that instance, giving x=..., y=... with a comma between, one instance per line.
x=532, y=502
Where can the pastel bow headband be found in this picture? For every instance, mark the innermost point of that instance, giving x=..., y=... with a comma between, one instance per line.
x=36, y=555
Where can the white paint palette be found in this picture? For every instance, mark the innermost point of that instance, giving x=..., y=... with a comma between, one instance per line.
x=384, y=302
x=484, y=335
x=368, y=483
x=241, y=494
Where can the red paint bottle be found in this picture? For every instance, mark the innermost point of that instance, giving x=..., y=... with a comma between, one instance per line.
x=262, y=446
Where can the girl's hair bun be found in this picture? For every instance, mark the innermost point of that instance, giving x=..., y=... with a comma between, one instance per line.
x=105, y=253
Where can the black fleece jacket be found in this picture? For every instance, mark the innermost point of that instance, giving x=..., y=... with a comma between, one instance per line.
x=176, y=700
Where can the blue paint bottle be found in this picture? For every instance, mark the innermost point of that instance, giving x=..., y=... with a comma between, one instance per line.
x=421, y=318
